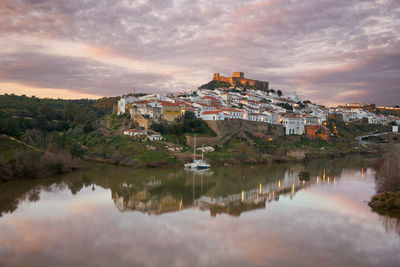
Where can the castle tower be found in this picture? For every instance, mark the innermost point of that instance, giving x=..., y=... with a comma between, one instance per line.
x=238, y=75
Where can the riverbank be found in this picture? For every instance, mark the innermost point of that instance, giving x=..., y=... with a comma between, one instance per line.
x=104, y=143
x=387, y=168
x=286, y=149
x=31, y=164
x=128, y=152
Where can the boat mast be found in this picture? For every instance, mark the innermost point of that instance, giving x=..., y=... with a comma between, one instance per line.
x=194, y=148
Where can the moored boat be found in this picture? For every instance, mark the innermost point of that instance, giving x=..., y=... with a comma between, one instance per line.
x=197, y=163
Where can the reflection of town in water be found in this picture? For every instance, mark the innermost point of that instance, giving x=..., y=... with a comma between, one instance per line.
x=223, y=190
x=231, y=191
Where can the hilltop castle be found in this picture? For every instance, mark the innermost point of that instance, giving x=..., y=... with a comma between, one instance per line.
x=238, y=79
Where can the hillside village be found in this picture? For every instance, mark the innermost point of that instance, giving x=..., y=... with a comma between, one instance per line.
x=241, y=101
x=237, y=120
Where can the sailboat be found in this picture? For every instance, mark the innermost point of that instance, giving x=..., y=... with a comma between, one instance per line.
x=197, y=163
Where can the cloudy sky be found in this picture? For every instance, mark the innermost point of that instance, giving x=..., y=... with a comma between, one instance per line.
x=331, y=52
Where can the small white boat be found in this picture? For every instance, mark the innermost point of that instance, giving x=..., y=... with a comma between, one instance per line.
x=197, y=164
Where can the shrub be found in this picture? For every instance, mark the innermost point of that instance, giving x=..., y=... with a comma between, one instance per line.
x=32, y=164
x=388, y=170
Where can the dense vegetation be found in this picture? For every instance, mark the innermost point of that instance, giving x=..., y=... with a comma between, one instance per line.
x=21, y=115
x=106, y=102
x=34, y=118
x=387, y=177
x=286, y=106
x=212, y=85
x=188, y=124
x=38, y=129
x=32, y=164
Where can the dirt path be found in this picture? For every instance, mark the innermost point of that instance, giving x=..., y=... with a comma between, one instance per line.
x=22, y=143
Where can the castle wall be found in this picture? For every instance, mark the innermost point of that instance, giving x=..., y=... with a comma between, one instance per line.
x=238, y=79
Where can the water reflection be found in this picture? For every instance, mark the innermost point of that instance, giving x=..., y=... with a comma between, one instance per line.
x=260, y=216
x=218, y=191
x=391, y=222
x=222, y=190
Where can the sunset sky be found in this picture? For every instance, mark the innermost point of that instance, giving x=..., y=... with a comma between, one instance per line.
x=330, y=52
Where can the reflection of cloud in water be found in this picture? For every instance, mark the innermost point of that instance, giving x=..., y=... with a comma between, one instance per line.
x=304, y=231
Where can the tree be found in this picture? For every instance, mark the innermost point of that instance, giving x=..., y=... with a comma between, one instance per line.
x=46, y=111
x=212, y=85
x=76, y=150
x=279, y=92
x=286, y=106
x=68, y=111
x=87, y=128
x=9, y=126
x=189, y=115
x=300, y=105
x=158, y=127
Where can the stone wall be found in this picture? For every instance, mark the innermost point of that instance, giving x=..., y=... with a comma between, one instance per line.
x=228, y=128
x=142, y=122
x=239, y=80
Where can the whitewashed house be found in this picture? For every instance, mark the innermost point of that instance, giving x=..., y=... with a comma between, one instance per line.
x=154, y=137
x=376, y=119
x=123, y=101
x=213, y=115
x=312, y=120
x=134, y=132
x=234, y=113
x=293, y=124
x=254, y=117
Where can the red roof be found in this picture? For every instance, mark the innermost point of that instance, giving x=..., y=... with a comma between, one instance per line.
x=211, y=112
x=167, y=103
x=182, y=103
x=229, y=109
x=204, y=105
x=209, y=97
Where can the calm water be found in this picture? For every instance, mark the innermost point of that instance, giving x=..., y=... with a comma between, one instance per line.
x=236, y=216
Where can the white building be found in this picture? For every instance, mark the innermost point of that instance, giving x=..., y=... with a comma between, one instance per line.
x=155, y=137
x=213, y=115
x=255, y=117
x=233, y=113
x=293, y=124
x=134, y=132
x=123, y=101
x=312, y=120
x=376, y=119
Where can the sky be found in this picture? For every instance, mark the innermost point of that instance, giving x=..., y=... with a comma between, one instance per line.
x=329, y=52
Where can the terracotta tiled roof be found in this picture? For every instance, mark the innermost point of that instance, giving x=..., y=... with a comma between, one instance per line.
x=167, y=103
x=211, y=112
x=233, y=110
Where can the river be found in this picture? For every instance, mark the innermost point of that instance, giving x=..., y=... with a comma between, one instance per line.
x=229, y=216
